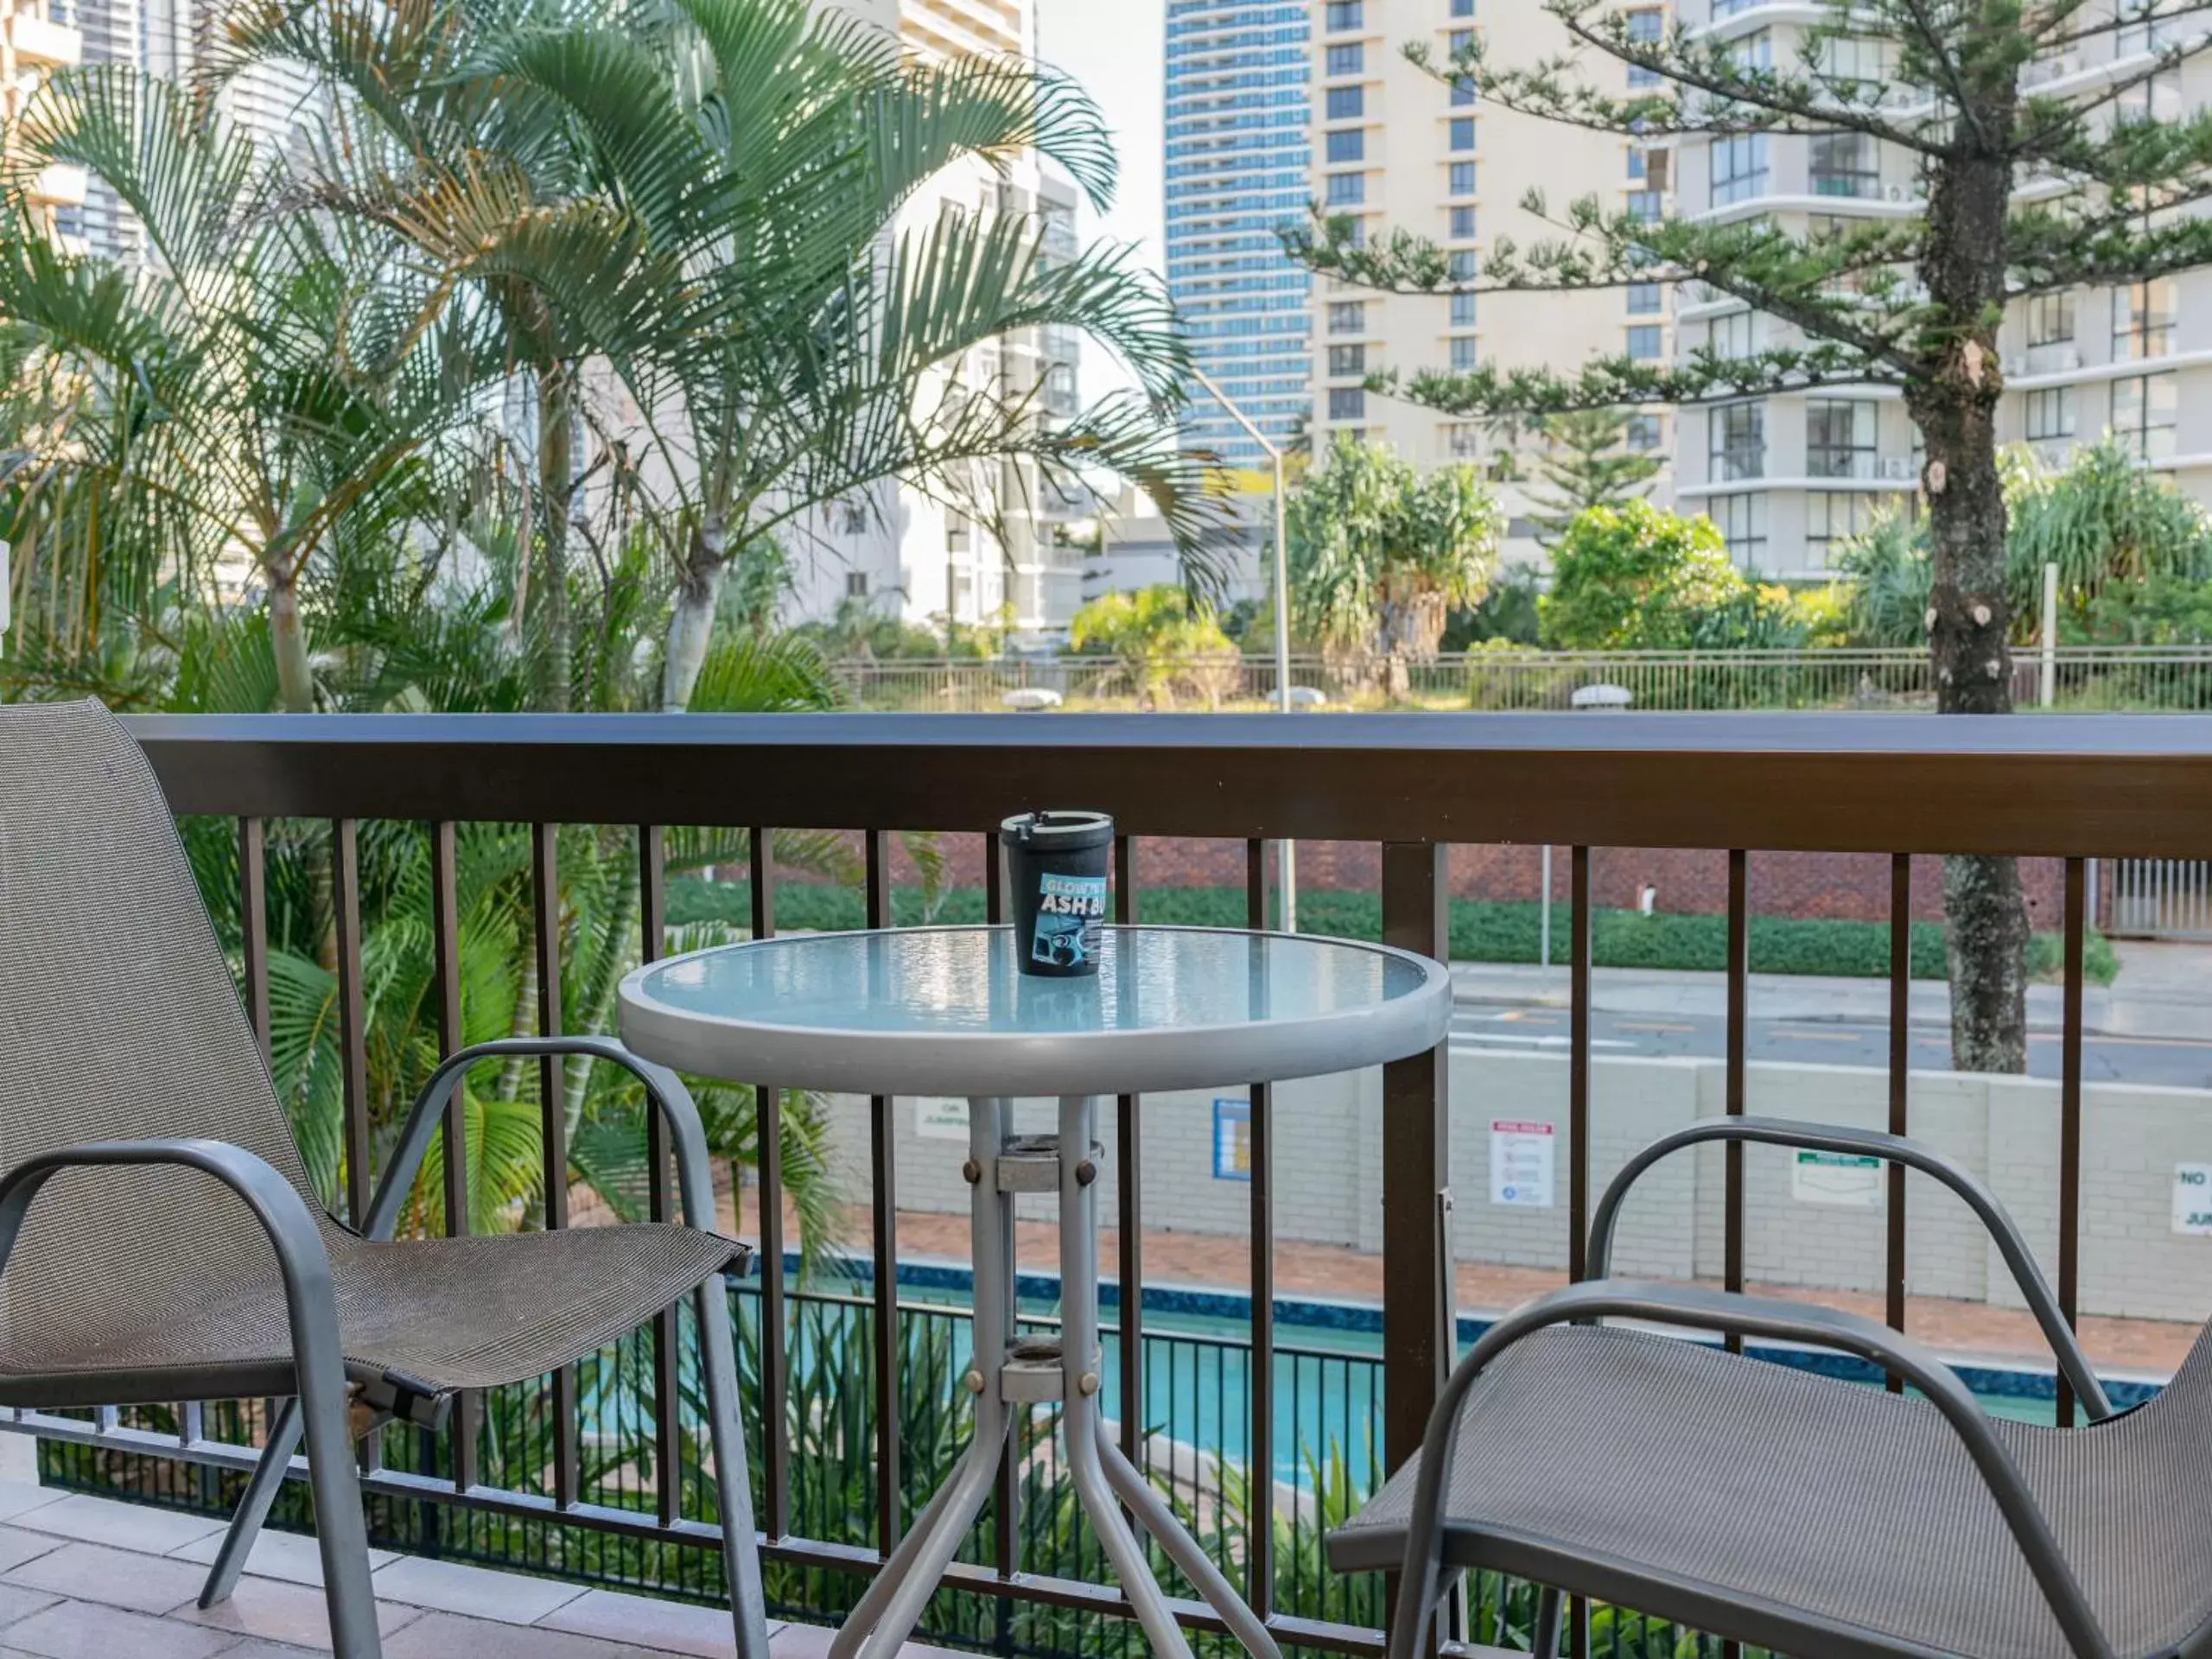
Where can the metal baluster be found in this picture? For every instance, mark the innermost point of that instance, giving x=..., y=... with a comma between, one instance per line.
x=445, y=938
x=1579, y=923
x=553, y=1120
x=768, y=1122
x=253, y=925
x=352, y=1043
x=1739, y=958
x=1128, y=1174
x=884, y=1166
x=1260, y=1462
x=2069, y=1122
x=1900, y=1065
x=1009, y=1523
x=660, y=1197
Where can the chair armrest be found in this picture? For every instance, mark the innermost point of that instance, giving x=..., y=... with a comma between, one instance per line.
x=1890, y=1148
x=1710, y=1310
x=663, y=1087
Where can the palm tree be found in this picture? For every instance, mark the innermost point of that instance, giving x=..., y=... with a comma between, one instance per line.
x=693, y=212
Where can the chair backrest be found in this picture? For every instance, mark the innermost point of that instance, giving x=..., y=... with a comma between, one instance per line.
x=120, y=1019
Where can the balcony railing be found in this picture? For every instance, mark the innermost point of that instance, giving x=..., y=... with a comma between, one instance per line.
x=530, y=1476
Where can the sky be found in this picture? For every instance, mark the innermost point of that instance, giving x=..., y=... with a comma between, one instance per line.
x=1115, y=48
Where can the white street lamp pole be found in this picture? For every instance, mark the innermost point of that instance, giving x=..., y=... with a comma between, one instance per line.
x=1286, y=851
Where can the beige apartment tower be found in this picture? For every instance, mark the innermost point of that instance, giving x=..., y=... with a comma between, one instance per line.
x=1395, y=148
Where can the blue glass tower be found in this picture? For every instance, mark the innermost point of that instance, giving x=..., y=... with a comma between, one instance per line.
x=1236, y=154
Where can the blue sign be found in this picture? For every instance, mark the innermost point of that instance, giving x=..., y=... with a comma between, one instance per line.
x=1233, y=1140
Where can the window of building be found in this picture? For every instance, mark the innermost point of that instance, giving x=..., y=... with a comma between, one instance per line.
x=1463, y=353
x=1637, y=167
x=1350, y=145
x=2051, y=413
x=855, y=584
x=1463, y=224
x=2143, y=320
x=1845, y=164
x=1644, y=343
x=1848, y=61
x=852, y=519
x=1346, y=189
x=2051, y=318
x=955, y=532
x=1644, y=298
x=1462, y=8
x=1347, y=359
x=1462, y=181
x=1644, y=205
x=2143, y=411
x=1737, y=434
x=1347, y=403
x=1739, y=167
x=1835, y=516
x=1839, y=437
x=1463, y=265
x=1346, y=103
x=1741, y=520
x=1463, y=90
x=1730, y=336
x=1343, y=14
x=1463, y=441
x=1347, y=58
x=1348, y=317
x=2155, y=98
x=1463, y=310
x=1643, y=432
x=1463, y=132
x=1645, y=28
x=1753, y=51
x=1460, y=40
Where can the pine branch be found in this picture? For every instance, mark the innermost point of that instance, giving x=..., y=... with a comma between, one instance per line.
x=1491, y=393
x=2068, y=259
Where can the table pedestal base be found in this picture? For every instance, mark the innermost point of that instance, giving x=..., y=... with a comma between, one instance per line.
x=999, y=1166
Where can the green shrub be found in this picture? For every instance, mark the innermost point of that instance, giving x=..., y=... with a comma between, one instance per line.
x=1482, y=930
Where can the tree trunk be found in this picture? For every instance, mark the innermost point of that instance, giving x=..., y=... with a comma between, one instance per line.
x=555, y=484
x=691, y=626
x=288, y=643
x=1967, y=624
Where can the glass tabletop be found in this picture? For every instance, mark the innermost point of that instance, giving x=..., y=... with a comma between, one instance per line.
x=966, y=982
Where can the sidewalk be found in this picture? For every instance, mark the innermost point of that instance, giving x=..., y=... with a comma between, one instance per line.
x=2163, y=990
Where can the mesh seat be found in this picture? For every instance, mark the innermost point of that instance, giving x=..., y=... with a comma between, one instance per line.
x=1827, y=1516
x=119, y=1021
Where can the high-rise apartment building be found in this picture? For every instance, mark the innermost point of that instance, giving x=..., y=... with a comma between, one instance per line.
x=1789, y=478
x=36, y=38
x=923, y=555
x=1238, y=77
x=1396, y=149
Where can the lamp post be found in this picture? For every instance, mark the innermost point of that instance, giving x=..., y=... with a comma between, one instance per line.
x=1286, y=851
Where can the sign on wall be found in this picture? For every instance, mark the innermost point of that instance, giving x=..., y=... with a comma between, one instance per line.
x=1520, y=1163
x=1850, y=1178
x=1233, y=1140
x=940, y=1117
x=2193, y=1200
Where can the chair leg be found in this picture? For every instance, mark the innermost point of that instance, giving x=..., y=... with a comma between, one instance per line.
x=340, y=1533
x=1544, y=1640
x=253, y=1509
x=740, y=1547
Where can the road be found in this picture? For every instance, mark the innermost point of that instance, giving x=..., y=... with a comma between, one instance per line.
x=2178, y=1062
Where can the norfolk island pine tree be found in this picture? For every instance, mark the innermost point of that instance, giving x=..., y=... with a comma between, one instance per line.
x=1912, y=304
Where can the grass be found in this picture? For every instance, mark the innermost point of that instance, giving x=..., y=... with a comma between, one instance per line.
x=1482, y=930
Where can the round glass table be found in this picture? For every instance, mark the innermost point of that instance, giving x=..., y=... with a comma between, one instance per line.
x=947, y=1011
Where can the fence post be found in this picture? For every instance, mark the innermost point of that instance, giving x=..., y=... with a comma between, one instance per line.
x=1416, y=1144
x=2050, y=634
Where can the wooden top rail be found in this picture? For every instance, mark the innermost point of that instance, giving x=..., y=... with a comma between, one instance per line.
x=2050, y=785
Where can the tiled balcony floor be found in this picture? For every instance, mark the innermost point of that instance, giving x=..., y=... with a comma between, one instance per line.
x=89, y=1578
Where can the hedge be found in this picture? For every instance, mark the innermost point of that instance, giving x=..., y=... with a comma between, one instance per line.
x=1482, y=930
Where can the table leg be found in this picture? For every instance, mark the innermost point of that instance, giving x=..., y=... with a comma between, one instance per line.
x=887, y=1613
x=1154, y=1515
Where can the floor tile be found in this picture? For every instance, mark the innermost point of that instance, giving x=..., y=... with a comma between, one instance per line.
x=126, y=1526
x=18, y=1603
x=442, y=1635
x=83, y=1629
x=146, y=1584
x=17, y=1498
x=18, y=1547
x=474, y=1591
x=292, y=1613
x=667, y=1626
x=292, y=1556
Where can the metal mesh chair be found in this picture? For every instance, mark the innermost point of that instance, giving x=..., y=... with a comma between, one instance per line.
x=159, y=1241
x=1798, y=1512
